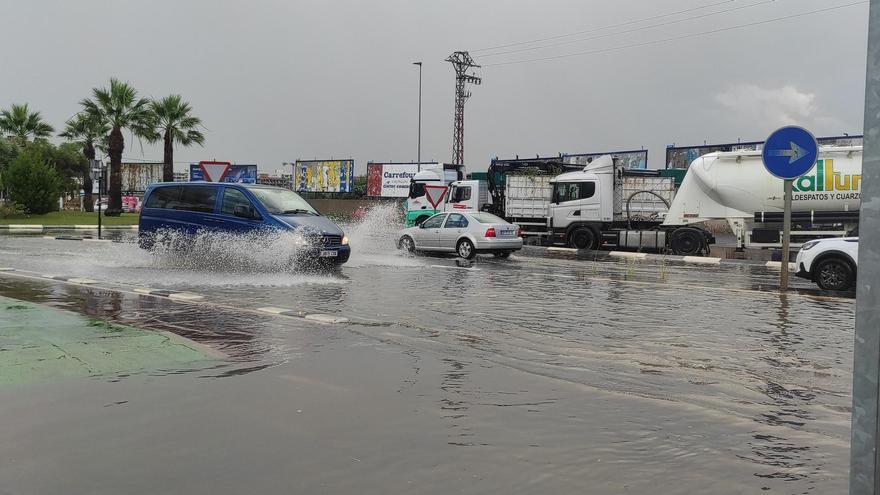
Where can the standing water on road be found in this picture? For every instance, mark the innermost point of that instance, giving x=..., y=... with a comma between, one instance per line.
x=526, y=375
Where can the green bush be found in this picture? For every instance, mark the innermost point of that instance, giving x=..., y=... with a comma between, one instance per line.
x=33, y=182
x=11, y=209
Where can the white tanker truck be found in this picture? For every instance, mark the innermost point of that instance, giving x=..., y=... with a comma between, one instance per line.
x=607, y=206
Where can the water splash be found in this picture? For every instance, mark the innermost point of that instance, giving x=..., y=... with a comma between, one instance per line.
x=374, y=237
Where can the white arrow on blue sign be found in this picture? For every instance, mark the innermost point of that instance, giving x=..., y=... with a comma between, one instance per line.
x=790, y=152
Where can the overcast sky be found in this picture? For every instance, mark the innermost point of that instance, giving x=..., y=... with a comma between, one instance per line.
x=279, y=80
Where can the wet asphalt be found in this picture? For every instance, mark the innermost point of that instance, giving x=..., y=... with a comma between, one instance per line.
x=538, y=374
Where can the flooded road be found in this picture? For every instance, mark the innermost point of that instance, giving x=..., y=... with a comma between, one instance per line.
x=538, y=374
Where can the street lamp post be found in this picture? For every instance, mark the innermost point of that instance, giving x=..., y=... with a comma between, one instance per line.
x=419, y=155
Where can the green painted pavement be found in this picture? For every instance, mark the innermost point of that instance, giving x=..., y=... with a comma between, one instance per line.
x=39, y=343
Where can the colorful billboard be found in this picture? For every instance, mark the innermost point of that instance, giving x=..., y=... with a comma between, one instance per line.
x=681, y=157
x=323, y=175
x=636, y=159
x=137, y=176
x=222, y=172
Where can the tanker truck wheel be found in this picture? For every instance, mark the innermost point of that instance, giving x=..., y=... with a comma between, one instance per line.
x=583, y=238
x=687, y=242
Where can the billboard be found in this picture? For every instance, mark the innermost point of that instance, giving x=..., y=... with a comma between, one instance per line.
x=634, y=159
x=391, y=180
x=222, y=172
x=681, y=157
x=323, y=175
x=137, y=176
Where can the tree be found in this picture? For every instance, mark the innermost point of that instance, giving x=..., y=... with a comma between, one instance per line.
x=118, y=107
x=33, y=181
x=173, y=122
x=20, y=123
x=86, y=130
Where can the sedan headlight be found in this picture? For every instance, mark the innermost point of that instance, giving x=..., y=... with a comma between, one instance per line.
x=345, y=240
x=809, y=245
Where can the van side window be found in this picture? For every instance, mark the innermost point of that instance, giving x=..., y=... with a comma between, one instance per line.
x=231, y=199
x=164, y=197
x=197, y=198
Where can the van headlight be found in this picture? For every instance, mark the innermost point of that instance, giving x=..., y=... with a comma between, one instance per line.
x=345, y=240
x=809, y=245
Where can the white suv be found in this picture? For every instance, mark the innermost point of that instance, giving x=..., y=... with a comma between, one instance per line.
x=831, y=263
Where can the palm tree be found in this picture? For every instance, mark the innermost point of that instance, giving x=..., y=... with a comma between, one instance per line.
x=86, y=130
x=172, y=120
x=20, y=123
x=118, y=107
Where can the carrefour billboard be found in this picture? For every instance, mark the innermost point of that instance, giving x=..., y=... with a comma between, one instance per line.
x=323, y=175
x=392, y=180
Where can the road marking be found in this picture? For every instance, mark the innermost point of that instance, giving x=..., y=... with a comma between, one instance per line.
x=85, y=227
x=88, y=239
x=275, y=311
x=329, y=319
x=456, y=268
x=6, y=269
x=563, y=249
x=700, y=260
x=26, y=226
x=82, y=281
x=185, y=296
x=627, y=254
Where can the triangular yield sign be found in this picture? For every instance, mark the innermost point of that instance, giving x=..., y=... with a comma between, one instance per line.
x=214, y=171
x=435, y=194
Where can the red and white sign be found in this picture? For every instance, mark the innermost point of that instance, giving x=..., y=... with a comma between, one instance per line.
x=435, y=194
x=214, y=171
x=460, y=206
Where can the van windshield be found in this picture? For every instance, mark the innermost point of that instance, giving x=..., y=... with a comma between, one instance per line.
x=283, y=202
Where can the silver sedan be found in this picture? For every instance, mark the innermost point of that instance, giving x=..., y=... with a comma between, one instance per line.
x=464, y=233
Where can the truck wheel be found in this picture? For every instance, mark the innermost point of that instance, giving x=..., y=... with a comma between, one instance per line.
x=834, y=274
x=465, y=249
x=583, y=238
x=687, y=242
x=406, y=243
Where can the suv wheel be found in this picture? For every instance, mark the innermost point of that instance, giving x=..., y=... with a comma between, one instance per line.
x=834, y=274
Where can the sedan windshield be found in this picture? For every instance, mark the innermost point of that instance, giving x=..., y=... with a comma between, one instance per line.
x=283, y=202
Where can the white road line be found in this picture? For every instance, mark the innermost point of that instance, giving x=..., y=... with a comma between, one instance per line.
x=26, y=226
x=83, y=281
x=329, y=319
x=456, y=268
x=6, y=269
x=627, y=254
x=85, y=227
x=140, y=290
x=563, y=249
x=700, y=260
x=96, y=240
x=185, y=296
x=273, y=310
x=49, y=237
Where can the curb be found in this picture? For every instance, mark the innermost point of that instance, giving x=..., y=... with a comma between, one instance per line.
x=692, y=260
x=27, y=226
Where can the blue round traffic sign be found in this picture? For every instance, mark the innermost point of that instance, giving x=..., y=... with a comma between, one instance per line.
x=790, y=152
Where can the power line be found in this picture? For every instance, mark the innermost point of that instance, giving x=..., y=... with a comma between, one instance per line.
x=627, y=23
x=676, y=38
x=633, y=30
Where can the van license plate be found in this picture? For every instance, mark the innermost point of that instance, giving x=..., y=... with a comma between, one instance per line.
x=329, y=254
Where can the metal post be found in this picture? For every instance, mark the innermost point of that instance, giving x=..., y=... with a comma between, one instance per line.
x=100, y=186
x=419, y=155
x=786, y=236
x=864, y=465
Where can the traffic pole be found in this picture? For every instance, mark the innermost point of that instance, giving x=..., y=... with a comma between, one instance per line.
x=100, y=186
x=864, y=472
x=786, y=236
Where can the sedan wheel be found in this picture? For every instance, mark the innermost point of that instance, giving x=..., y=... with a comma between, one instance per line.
x=834, y=274
x=465, y=249
x=406, y=243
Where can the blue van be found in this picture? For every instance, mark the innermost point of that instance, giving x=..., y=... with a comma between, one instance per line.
x=190, y=207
